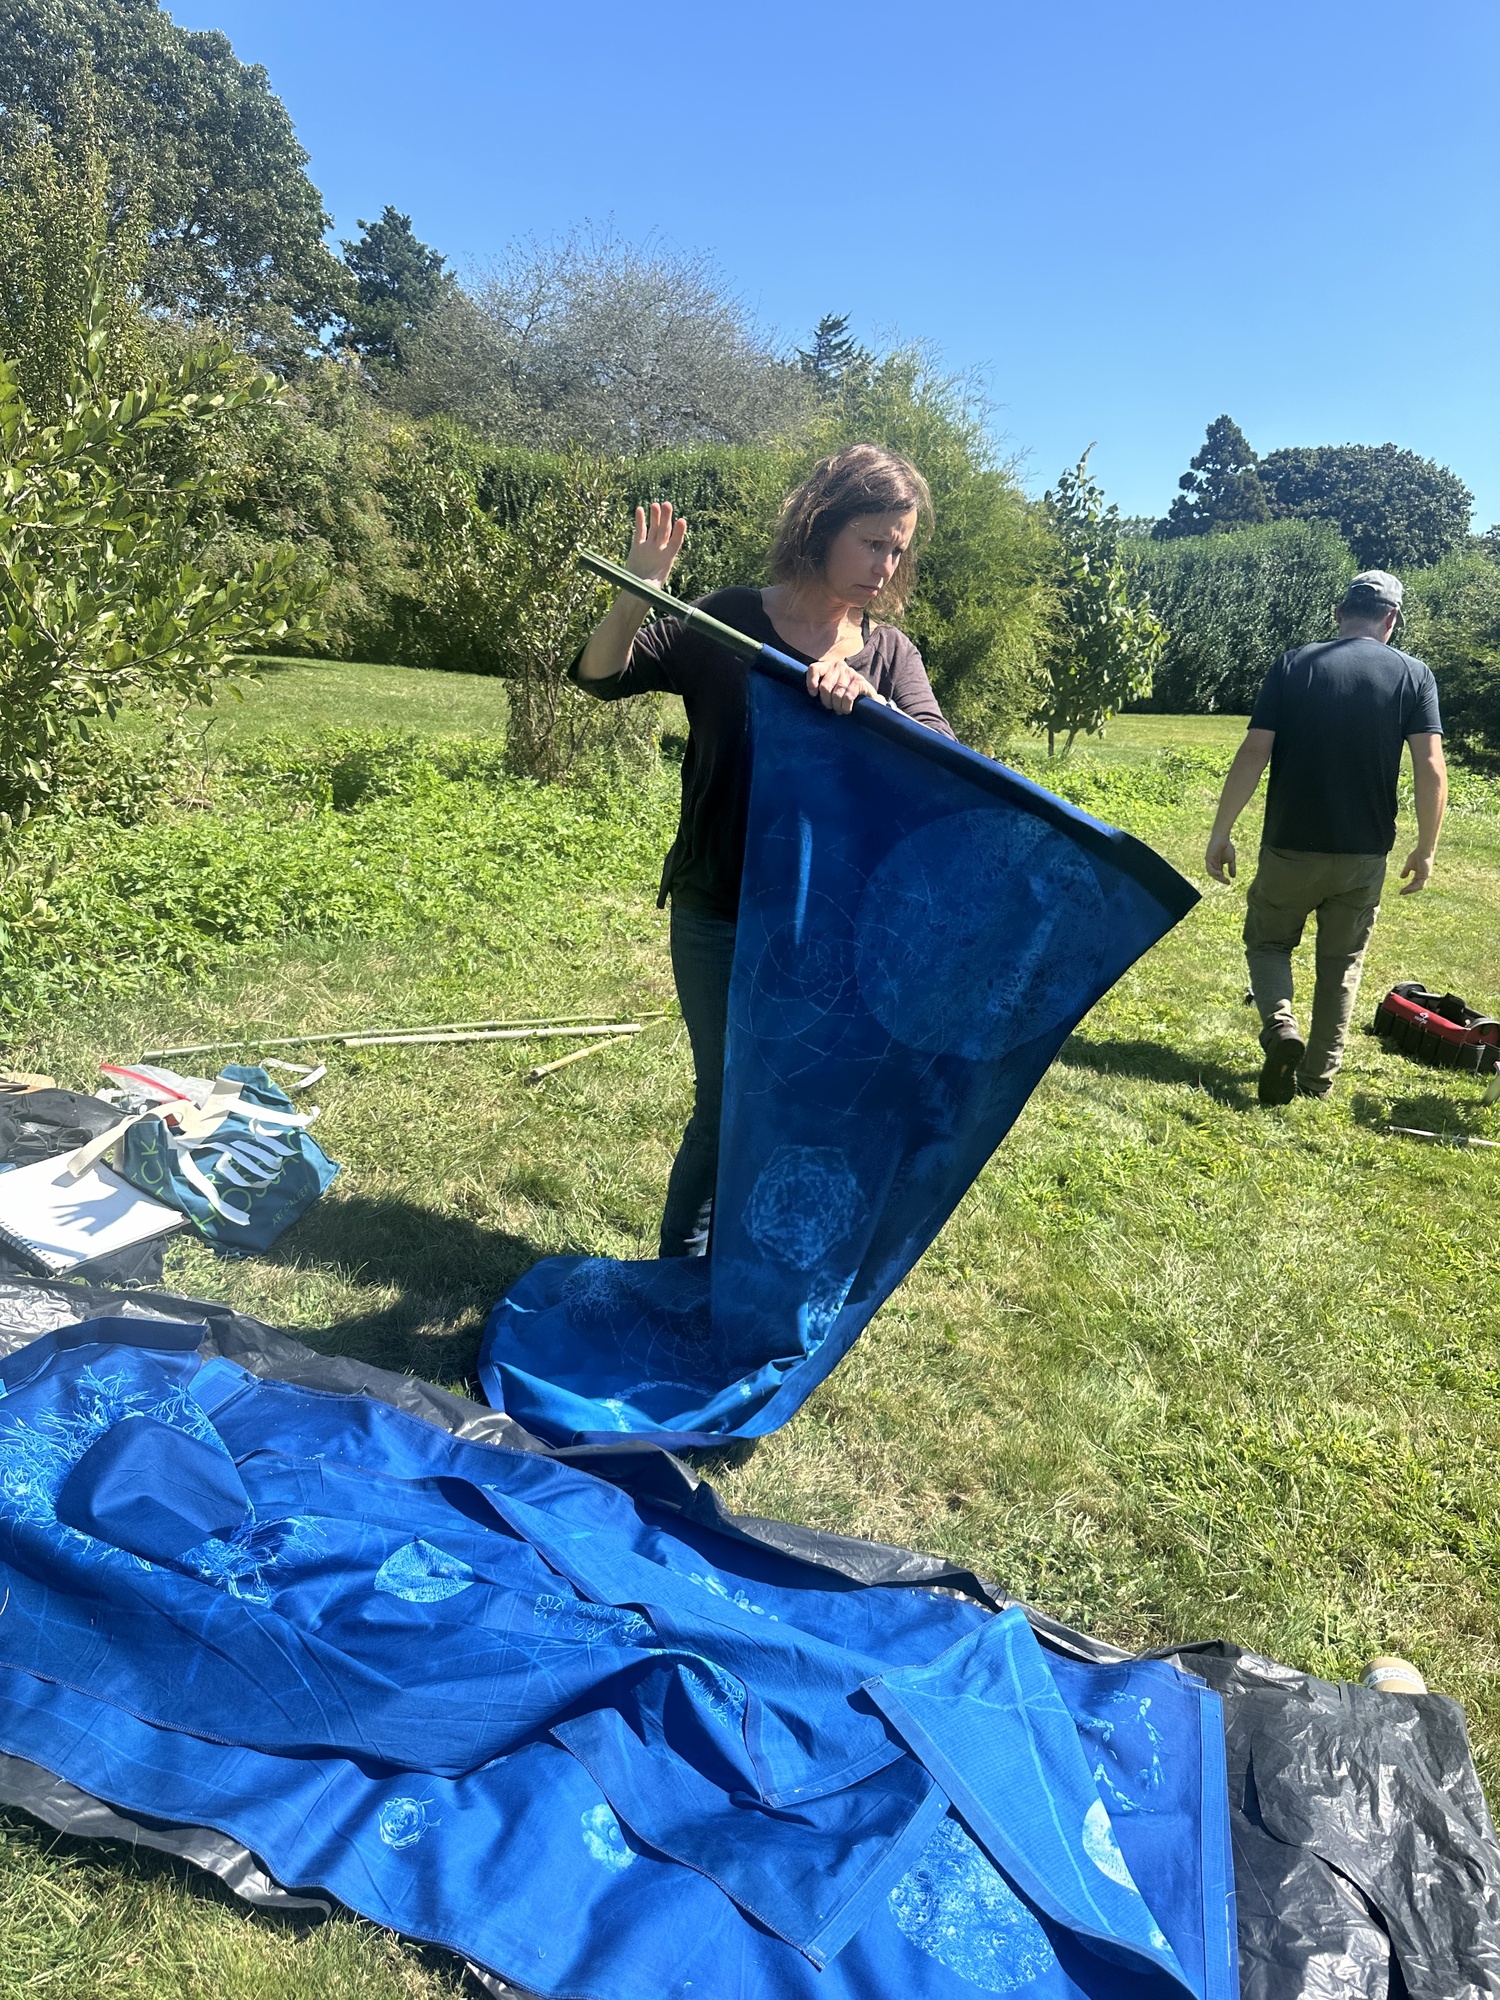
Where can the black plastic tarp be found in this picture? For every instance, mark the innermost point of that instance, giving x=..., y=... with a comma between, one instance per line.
x=1366, y=1866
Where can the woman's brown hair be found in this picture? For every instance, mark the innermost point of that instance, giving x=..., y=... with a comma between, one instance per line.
x=860, y=479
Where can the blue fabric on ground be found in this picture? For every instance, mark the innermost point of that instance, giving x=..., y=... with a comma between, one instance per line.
x=118, y=1491
x=919, y=932
x=492, y=1702
x=991, y=1709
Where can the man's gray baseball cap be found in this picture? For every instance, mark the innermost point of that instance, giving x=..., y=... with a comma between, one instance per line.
x=1373, y=590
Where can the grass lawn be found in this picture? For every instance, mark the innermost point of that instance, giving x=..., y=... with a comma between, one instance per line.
x=1177, y=1367
x=286, y=694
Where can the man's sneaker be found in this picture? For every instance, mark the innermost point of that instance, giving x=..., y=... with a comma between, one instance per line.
x=1320, y=1089
x=1284, y=1049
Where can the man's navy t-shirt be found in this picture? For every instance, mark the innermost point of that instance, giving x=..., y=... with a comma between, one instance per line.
x=1341, y=712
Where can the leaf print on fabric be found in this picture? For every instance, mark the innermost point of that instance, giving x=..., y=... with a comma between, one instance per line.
x=605, y=1839
x=960, y=1910
x=601, y=1624
x=422, y=1574
x=403, y=1821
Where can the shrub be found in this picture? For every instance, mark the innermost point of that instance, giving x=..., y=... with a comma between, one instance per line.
x=507, y=597
x=1232, y=603
x=101, y=596
x=1452, y=621
x=305, y=471
x=731, y=496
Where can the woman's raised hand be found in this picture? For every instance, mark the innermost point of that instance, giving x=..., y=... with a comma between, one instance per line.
x=656, y=544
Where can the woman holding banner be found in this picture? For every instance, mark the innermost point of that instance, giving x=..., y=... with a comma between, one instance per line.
x=844, y=549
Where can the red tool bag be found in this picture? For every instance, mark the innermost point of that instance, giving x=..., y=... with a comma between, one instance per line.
x=1438, y=1028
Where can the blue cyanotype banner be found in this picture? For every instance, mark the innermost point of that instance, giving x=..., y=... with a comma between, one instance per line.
x=491, y=1701
x=919, y=931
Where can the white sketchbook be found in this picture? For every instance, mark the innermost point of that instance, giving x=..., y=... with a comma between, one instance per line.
x=60, y=1221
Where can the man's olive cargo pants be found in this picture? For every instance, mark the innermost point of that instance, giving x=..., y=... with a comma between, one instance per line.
x=1343, y=890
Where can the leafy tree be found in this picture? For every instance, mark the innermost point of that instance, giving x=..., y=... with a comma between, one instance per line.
x=834, y=354
x=61, y=264
x=1221, y=488
x=102, y=597
x=398, y=282
x=1233, y=603
x=294, y=469
x=1394, y=509
x=1108, y=641
x=237, y=227
x=596, y=344
x=981, y=613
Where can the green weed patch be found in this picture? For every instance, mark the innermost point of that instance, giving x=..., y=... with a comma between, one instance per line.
x=343, y=834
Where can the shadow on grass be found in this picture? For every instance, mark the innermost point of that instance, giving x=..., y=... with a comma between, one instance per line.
x=1428, y=1111
x=712, y=1460
x=446, y=1270
x=1158, y=1062
x=148, y=1865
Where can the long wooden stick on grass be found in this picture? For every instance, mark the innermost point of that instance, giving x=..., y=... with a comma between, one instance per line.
x=534, y=1025
x=616, y=1031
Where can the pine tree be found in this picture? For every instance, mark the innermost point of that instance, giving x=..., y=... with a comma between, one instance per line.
x=398, y=282
x=834, y=354
x=1222, y=488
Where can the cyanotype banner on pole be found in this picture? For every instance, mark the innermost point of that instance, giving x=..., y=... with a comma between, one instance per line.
x=493, y=1702
x=919, y=931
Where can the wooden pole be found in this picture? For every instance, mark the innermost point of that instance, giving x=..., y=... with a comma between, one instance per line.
x=544, y=1070
x=537, y=1024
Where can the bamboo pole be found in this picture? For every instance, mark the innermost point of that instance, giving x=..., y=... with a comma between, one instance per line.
x=588, y=1023
x=616, y=1030
x=698, y=621
x=1444, y=1138
x=544, y=1070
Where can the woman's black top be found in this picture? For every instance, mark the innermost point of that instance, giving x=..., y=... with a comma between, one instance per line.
x=705, y=862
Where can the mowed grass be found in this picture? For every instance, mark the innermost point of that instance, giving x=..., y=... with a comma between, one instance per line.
x=1177, y=1367
x=280, y=694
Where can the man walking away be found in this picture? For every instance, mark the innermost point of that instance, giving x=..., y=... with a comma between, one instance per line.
x=1330, y=720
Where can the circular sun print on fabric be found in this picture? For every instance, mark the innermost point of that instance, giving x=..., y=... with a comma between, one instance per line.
x=979, y=931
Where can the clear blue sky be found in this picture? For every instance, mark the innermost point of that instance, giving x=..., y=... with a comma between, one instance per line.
x=1130, y=214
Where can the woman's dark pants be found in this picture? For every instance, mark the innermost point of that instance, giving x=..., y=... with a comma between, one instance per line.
x=702, y=958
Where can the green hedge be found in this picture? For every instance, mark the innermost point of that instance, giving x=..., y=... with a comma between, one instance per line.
x=980, y=614
x=1453, y=622
x=1233, y=603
